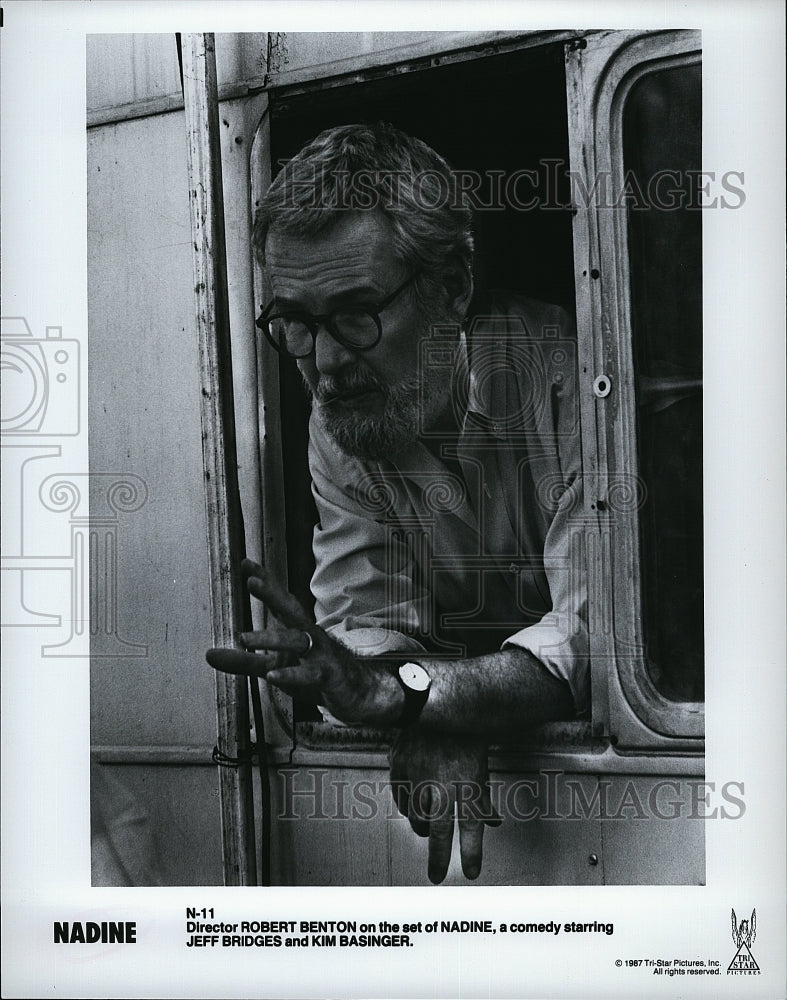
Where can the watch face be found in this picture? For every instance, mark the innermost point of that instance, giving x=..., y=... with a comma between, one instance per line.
x=415, y=677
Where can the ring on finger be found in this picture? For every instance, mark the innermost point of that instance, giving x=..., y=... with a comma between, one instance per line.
x=310, y=642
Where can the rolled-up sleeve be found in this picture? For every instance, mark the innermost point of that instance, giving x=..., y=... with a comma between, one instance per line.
x=560, y=639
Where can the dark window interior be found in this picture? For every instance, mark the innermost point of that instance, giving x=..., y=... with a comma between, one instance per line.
x=504, y=113
x=662, y=131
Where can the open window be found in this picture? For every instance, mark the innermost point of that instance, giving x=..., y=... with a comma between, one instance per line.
x=501, y=123
x=555, y=113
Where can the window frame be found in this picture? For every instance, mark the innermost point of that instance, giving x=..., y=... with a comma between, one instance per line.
x=627, y=710
x=626, y=705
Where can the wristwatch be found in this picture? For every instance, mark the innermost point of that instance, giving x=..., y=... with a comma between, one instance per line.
x=415, y=682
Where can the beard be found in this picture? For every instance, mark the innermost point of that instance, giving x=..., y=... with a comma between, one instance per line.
x=407, y=408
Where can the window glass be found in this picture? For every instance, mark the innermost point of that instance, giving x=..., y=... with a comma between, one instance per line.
x=662, y=146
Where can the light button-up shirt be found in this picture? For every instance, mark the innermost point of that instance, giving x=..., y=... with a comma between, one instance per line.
x=471, y=543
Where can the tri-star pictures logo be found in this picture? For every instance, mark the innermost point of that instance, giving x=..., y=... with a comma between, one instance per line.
x=743, y=935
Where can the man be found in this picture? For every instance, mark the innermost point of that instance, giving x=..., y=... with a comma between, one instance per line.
x=445, y=469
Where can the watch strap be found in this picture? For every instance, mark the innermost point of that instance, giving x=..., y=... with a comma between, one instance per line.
x=414, y=700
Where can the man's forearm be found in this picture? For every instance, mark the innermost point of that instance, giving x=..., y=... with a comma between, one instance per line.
x=495, y=696
x=498, y=695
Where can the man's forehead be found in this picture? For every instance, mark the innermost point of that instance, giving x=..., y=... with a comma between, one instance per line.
x=355, y=240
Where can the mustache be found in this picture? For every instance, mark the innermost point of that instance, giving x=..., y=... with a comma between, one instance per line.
x=350, y=382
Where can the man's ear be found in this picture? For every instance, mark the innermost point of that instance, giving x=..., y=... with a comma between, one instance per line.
x=458, y=283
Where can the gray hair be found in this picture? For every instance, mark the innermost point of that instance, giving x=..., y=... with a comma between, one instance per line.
x=375, y=167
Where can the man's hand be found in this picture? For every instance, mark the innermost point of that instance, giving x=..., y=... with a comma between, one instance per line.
x=430, y=775
x=325, y=672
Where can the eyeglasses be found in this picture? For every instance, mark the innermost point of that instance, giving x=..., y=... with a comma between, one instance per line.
x=358, y=329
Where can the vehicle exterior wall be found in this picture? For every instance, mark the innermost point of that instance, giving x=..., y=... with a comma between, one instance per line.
x=153, y=716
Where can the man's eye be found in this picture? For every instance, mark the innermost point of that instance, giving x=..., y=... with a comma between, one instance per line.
x=351, y=316
x=357, y=326
x=352, y=311
x=353, y=307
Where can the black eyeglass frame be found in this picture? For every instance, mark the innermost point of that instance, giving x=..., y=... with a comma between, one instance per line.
x=313, y=323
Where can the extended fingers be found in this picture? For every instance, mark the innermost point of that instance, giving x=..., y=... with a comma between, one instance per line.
x=474, y=802
x=304, y=678
x=278, y=600
x=235, y=661
x=441, y=830
x=400, y=786
x=441, y=835
x=251, y=568
x=288, y=640
x=419, y=806
x=471, y=844
x=474, y=811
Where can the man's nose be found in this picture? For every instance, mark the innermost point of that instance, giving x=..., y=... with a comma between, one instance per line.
x=329, y=355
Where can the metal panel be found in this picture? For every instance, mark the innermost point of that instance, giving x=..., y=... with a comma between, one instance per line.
x=132, y=76
x=163, y=827
x=144, y=420
x=653, y=851
x=559, y=828
x=341, y=828
x=140, y=70
x=347, y=57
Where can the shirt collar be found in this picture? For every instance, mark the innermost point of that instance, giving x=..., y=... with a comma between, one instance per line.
x=481, y=398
